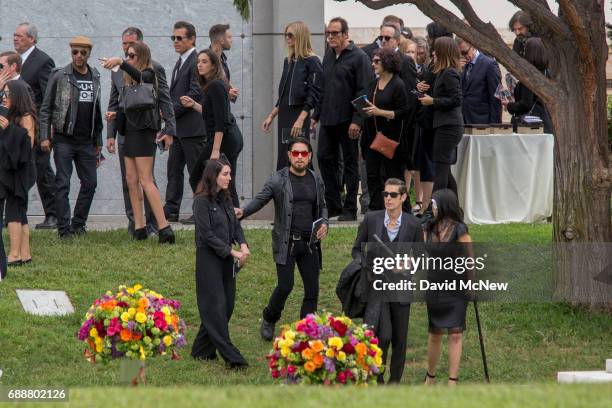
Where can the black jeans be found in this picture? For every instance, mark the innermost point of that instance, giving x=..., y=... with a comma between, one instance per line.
x=84, y=158
x=216, y=294
x=129, y=211
x=3, y=260
x=393, y=330
x=330, y=140
x=183, y=151
x=308, y=264
x=45, y=180
x=379, y=169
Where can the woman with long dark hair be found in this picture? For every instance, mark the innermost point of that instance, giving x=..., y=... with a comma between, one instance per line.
x=448, y=118
x=299, y=90
x=216, y=231
x=140, y=129
x=21, y=112
x=224, y=136
x=446, y=236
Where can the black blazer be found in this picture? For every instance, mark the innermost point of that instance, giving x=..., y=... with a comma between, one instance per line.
x=216, y=225
x=408, y=74
x=447, y=99
x=36, y=71
x=480, y=106
x=189, y=123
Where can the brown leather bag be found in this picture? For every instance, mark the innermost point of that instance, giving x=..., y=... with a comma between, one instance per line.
x=381, y=143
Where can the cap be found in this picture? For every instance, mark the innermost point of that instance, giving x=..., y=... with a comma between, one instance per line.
x=81, y=41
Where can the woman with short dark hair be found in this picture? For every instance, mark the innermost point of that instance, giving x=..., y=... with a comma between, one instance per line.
x=387, y=107
x=216, y=231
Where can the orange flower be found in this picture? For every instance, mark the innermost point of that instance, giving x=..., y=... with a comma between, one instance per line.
x=143, y=303
x=361, y=349
x=310, y=367
x=126, y=335
x=318, y=360
x=91, y=344
x=307, y=354
x=109, y=305
x=175, y=323
x=136, y=336
x=317, y=346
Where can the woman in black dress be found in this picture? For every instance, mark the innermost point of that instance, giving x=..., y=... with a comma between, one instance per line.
x=446, y=236
x=216, y=231
x=299, y=90
x=388, y=106
x=224, y=136
x=140, y=129
x=448, y=118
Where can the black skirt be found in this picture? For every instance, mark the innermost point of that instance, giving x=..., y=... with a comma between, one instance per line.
x=139, y=143
x=446, y=139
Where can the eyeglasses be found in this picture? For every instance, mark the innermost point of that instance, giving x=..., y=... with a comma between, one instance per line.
x=177, y=37
x=82, y=52
x=376, y=61
x=384, y=38
x=333, y=33
x=289, y=36
x=131, y=55
x=5, y=94
x=300, y=153
x=393, y=194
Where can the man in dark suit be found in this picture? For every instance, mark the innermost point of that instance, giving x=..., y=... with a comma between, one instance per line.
x=190, y=129
x=36, y=69
x=129, y=36
x=388, y=318
x=377, y=43
x=479, y=81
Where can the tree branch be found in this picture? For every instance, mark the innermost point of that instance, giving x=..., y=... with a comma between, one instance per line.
x=380, y=4
x=578, y=29
x=539, y=11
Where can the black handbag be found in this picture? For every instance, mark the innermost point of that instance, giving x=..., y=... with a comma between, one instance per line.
x=140, y=97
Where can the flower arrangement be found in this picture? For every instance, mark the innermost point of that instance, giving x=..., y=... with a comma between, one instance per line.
x=323, y=349
x=134, y=323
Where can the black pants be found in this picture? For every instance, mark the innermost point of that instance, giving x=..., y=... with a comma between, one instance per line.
x=425, y=139
x=183, y=151
x=151, y=222
x=84, y=158
x=330, y=140
x=216, y=292
x=445, y=143
x=308, y=264
x=45, y=180
x=379, y=169
x=3, y=260
x=393, y=330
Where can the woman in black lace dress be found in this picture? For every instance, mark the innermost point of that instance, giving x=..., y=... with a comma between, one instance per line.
x=446, y=236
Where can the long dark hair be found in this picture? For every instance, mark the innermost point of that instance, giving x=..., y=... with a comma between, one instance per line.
x=21, y=102
x=448, y=209
x=535, y=53
x=217, y=73
x=207, y=186
x=447, y=54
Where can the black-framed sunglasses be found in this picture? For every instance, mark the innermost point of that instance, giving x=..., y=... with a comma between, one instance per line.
x=82, y=52
x=178, y=37
x=131, y=55
x=393, y=194
x=333, y=33
x=4, y=94
x=384, y=38
x=289, y=36
x=376, y=61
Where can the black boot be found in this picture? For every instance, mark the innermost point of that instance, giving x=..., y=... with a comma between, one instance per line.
x=166, y=235
x=267, y=330
x=140, y=234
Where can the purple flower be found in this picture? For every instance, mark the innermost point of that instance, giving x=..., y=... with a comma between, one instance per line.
x=329, y=365
x=84, y=330
x=374, y=369
x=131, y=324
x=180, y=341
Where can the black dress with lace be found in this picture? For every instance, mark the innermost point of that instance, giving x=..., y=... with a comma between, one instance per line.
x=446, y=308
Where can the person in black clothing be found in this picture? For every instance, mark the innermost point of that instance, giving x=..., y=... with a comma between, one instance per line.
x=72, y=107
x=448, y=118
x=388, y=106
x=299, y=90
x=521, y=24
x=217, y=263
x=346, y=76
x=525, y=101
x=221, y=40
x=446, y=236
x=36, y=70
x=223, y=135
x=389, y=20
x=299, y=200
x=140, y=129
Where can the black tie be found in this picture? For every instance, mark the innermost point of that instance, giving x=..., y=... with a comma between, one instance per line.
x=177, y=67
x=468, y=70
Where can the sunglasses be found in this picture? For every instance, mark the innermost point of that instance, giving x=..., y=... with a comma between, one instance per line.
x=82, y=52
x=4, y=94
x=300, y=153
x=131, y=55
x=1, y=65
x=384, y=38
x=376, y=61
x=333, y=33
x=289, y=35
x=393, y=194
x=177, y=37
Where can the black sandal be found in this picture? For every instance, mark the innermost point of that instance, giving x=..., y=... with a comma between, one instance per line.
x=453, y=379
x=429, y=376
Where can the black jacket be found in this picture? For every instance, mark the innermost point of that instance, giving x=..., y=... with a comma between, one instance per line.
x=526, y=102
x=480, y=106
x=370, y=48
x=305, y=85
x=447, y=99
x=425, y=114
x=345, y=78
x=15, y=157
x=216, y=225
x=36, y=71
x=408, y=74
x=278, y=188
x=189, y=123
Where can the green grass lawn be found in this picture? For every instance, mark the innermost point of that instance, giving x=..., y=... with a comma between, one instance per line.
x=526, y=343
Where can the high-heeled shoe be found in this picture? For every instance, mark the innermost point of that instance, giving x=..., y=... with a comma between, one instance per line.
x=166, y=235
x=140, y=234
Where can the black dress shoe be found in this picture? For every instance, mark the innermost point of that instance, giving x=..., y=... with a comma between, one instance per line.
x=140, y=234
x=18, y=262
x=67, y=235
x=348, y=216
x=79, y=230
x=50, y=222
x=172, y=217
x=188, y=220
x=333, y=213
x=166, y=235
x=266, y=330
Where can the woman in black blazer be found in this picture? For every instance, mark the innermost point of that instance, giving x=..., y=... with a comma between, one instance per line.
x=140, y=130
x=216, y=230
x=299, y=90
x=448, y=119
x=388, y=106
x=224, y=136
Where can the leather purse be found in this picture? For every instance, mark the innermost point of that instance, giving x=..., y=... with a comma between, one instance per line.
x=381, y=143
x=140, y=97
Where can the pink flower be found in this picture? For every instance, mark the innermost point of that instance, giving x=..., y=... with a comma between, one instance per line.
x=341, y=377
x=369, y=333
x=114, y=327
x=374, y=340
x=275, y=374
x=291, y=369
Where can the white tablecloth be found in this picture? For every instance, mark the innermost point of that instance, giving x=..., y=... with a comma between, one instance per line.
x=505, y=178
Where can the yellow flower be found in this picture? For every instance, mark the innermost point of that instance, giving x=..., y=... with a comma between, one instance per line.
x=141, y=317
x=166, y=310
x=167, y=340
x=290, y=335
x=341, y=356
x=378, y=360
x=98, y=345
x=335, y=342
x=131, y=311
x=142, y=353
x=93, y=332
x=330, y=353
x=125, y=316
x=137, y=287
x=285, y=351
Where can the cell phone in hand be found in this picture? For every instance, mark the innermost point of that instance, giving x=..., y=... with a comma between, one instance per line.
x=161, y=146
x=4, y=111
x=417, y=93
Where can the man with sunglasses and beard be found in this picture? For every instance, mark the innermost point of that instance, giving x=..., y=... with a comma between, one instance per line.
x=299, y=202
x=72, y=106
